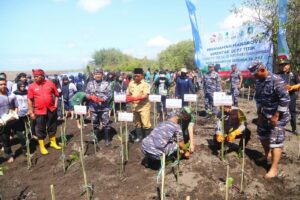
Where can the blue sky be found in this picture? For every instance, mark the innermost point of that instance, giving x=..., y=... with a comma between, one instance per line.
x=63, y=34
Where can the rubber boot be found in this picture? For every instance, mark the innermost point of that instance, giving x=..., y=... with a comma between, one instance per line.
x=146, y=132
x=106, y=135
x=139, y=135
x=43, y=150
x=53, y=143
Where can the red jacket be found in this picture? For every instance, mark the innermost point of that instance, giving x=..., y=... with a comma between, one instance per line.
x=43, y=95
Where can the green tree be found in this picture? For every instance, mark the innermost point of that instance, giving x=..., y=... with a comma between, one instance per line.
x=177, y=56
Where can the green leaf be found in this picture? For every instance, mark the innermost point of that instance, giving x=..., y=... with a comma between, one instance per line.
x=230, y=181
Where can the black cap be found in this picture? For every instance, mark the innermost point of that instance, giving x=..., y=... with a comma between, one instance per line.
x=138, y=71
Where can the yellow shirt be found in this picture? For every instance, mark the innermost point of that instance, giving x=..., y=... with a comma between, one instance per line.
x=134, y=89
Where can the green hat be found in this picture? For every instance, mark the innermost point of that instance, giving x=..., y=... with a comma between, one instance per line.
x=282, y=61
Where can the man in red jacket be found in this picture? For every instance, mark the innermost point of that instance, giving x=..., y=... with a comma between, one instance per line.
x=42, y=104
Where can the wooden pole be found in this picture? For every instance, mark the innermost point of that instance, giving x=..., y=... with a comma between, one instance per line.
x=114, y=110
x=227, y=176
x=87, y=189
x=223, y=134
x=126, y=141
x=52, y=192
x=243, y=166
x=28, y=156
x=81, y=133
x=162, y=192
x=249, y=93
x=122, y=149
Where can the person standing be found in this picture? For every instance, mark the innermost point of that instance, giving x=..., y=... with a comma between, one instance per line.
x=272, y=101
x=292, y=84
x=139, y=88
x=211, y=84
x=236, y=80
x=42, y=108
x=183, y=86
x=99, y=92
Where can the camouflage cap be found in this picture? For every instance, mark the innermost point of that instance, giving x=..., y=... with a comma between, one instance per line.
x=282, y=61
x=254, y=66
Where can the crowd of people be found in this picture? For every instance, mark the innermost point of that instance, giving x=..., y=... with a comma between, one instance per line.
x=44, y=100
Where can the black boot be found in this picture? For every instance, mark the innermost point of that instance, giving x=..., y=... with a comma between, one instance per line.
x=146, y=132
x=139, y=135
x=107, y=139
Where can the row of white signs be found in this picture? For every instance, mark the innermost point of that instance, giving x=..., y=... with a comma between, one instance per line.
x=219, y=99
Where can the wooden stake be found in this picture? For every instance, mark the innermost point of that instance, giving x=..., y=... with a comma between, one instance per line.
x=243, y=165
x=227, y=176
x=222, y=145
x=188, y=198
x=28, y=156
x=94, y=135
x=299, y=147
x=86, y=187
x=122, y=149
x=114, y=110
x=81, y=133
x=249, y=93
x=52, y=192
x=154, y=113
x=126, y=141
x=162, y=192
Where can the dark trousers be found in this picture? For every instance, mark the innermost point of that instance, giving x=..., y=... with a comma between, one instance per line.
x=46, y=124
x=292, y=108
x=5, y=133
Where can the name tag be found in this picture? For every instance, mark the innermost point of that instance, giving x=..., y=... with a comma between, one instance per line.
x=190, y=97
x=221, y=99
x=173, y=103
x=125, y=117
x=80, y=110
x=154, y=98
x=120, y=98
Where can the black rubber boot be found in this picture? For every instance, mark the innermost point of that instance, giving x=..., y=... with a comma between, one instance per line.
x=107, y=139
x=139, y=135
x=146, y=132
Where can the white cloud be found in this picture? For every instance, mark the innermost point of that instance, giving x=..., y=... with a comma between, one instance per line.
x=235, y=20
x=93, y=6
x=158, y=41
x=128, y=1
x=185, y=28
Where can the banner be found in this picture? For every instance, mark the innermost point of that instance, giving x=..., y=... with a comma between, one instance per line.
x=197, y=41
x=239, y=46
x=283, y=48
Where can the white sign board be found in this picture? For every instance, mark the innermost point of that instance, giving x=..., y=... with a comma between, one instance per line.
x=119, y=98
x=125, y=117
x=154, y=98
x=173, y=103
x=190, y=97
x=221, y=99
x=80, y=110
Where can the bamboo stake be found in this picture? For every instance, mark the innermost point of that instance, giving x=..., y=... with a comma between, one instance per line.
x=249, y=93
x=188, y=198
x=114, y=110
x=162, y=192
x=222, y=145
x=28, y=156
x=299, y=147
x=52, y=192
x=126, y=141
x=122, y=149
x=87, y=189
x=81, y=133
x=227, y=176
x=154, y=113
x=243, y=165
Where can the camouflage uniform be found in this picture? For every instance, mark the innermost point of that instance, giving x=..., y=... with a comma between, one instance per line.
x=271, y=96
x=163, y=139
x=100, y=111
x=234, y=86
x=211, y=84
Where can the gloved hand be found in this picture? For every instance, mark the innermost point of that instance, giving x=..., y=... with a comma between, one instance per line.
x=233, y=134
x=219, y=138
x=131, y=98
x=292, y=87
x=95, y=99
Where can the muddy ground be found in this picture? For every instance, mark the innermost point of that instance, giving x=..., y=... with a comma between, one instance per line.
x=201, y=177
